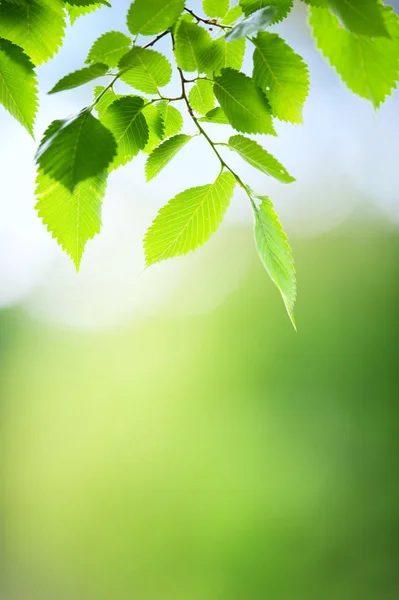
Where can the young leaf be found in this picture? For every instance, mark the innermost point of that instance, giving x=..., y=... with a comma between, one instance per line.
x=275, y=252
x=163, y=120
x=76, y=149
x=74, y=217
x=244, y=104
x=282, y=74
x=106, y=99
x=18, y=85
x=84, y=2
x=257, y=21
x=234, y=13
x=153, y=115
x=192, y=47
x=172, y=118
x=162, y=155
x=364, y=17
x=216, y=115
x=125, y=119
x=37, y=26
x=78, y=78
x=145, y=69
x=368, y=66
x=75, y=12
x=201, y=96
x=109, y=48
x=150, y=17
x=223, y=54
x=188, y=220
x=216, y=8
x=283, y=7
x=259, y=158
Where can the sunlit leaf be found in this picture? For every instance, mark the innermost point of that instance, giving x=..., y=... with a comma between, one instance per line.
x=18, y=85
x=188, y=220
x=259, y=158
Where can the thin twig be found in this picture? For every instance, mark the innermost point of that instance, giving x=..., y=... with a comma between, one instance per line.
x=209, y=22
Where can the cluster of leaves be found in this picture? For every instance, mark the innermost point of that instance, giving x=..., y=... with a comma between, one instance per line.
x=360, y=38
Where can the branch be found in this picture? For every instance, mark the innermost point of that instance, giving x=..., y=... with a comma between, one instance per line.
x=210, y=22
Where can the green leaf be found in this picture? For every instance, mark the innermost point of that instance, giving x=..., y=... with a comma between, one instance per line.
x=244, y=104
x=283, y=7
x=76, y=149
x=216, y=8
x=259, y=158
x=192, y=47
x=72, y=218
x=153, y=16
x=368, y=66
x=216, y=115
x=153, y=114
x=282, y=74
x=318, y=3
x=109, y=48
x=163, y=120
x=35, y=25
x=364, y=17
x=234, y=13
x=162, y=155
x=172, y=118
x=75, y=12
x=188, y=220
x=275, y=252
x=257, y=21
x=88, y=2
x=146, y=70
x=18, y=85
x=223, y=54
x=106, y=99
x=125, y=119
x=201, y=96
x=78, y=78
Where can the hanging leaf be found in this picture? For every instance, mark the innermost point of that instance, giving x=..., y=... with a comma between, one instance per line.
x=109, y=48
x=125, y=119
x=283, y=76
x=188, y=220
x=259, y=158
x=368, y=66
x=243, y=102
x=192, y=47
x=150, y=17
x=283, y=7
x=215, y=8
x=18, y=85
x=275, y=252
x=37, y=26
x=145, y=69
x=201, y=96
x=72, y=217
x=76, y=149
x=364, y=17
x=216, y=115
x=162, y=155
x=78, y=78
x=223, y=54
x=75, y=12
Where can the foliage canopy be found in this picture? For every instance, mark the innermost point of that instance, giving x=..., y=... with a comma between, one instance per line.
x=360, y=39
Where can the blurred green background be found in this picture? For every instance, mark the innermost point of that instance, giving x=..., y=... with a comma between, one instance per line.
x=213, y=456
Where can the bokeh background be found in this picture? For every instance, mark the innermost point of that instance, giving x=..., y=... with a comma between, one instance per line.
x=165, y=434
